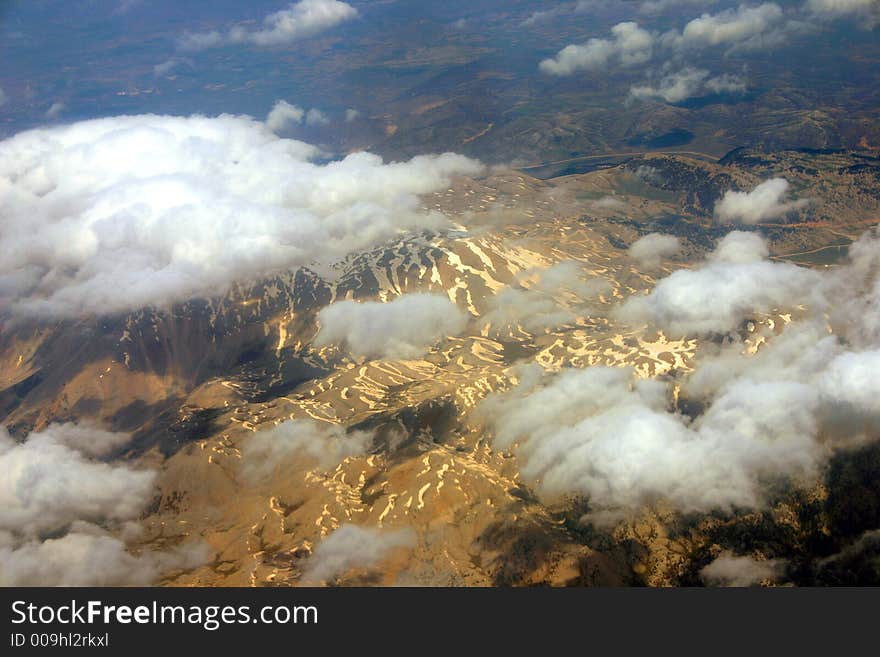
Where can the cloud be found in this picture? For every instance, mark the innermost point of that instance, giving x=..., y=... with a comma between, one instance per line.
x=3, y=97
x=112, y=215
x=542, y=299
x=630, y=46
x=662, y=6
x=608, y=203
x=316, y=117
x=321, y=442
x=565, y=9
x=831, y=9
x=733, y=285
x=403, y=328
x=298, y=21
x=688, y=83
x=282, y=115
x=169, y=65
x=90, y=559
x=744, y=28
x=55, y=110
x=352, y=546
x=730, y=570
x=602, y=434
x=49, y=483
x=54, y=494
x=650, y=250
x=766, y=201
x=769, y=405
x=351, y=114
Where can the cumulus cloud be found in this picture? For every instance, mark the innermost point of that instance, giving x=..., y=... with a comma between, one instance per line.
x=54, y=495
x=316, y=117
x=297, y=21
x=744, y=28
x=770, y=404
x=650, y=250
x=766, y=201
x=542, y=299
x=730, y=570
x=601, y=433
x=49, y=484
x=688, y=83
x=115, y=214
x=630, y=45
x=403, y=328
x=282, y=115
x=319, y=442
x=733, y=285
x=352, y=546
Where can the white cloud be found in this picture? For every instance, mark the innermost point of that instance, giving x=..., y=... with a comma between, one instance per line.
x=733, y=285
x=608, y=203
x=662, y=6
x=55, y=110
x=319, y=442
x=688, y=83
x=282, y=115
x=52, y=494
x=165, y=68
x=115, y=214
x=772, y=404
x=564, y=9
x=48, y=483
x=90, y=559
x=316, y=117
x=352, y=546
x=295, y=22
x=841, y=8
x=403, y=328
x=730, y=570
x=600, y=433
x=630, y=45
x=744, y=28
x=542, y=299
x=351, y=114
x=650, y=250
x=767, y=201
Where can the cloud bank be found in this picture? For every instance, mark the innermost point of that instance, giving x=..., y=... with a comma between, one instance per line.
x=403, y=328
x=297, y=21
x=115, y=214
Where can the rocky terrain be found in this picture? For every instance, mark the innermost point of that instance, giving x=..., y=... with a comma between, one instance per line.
x=196, y=383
